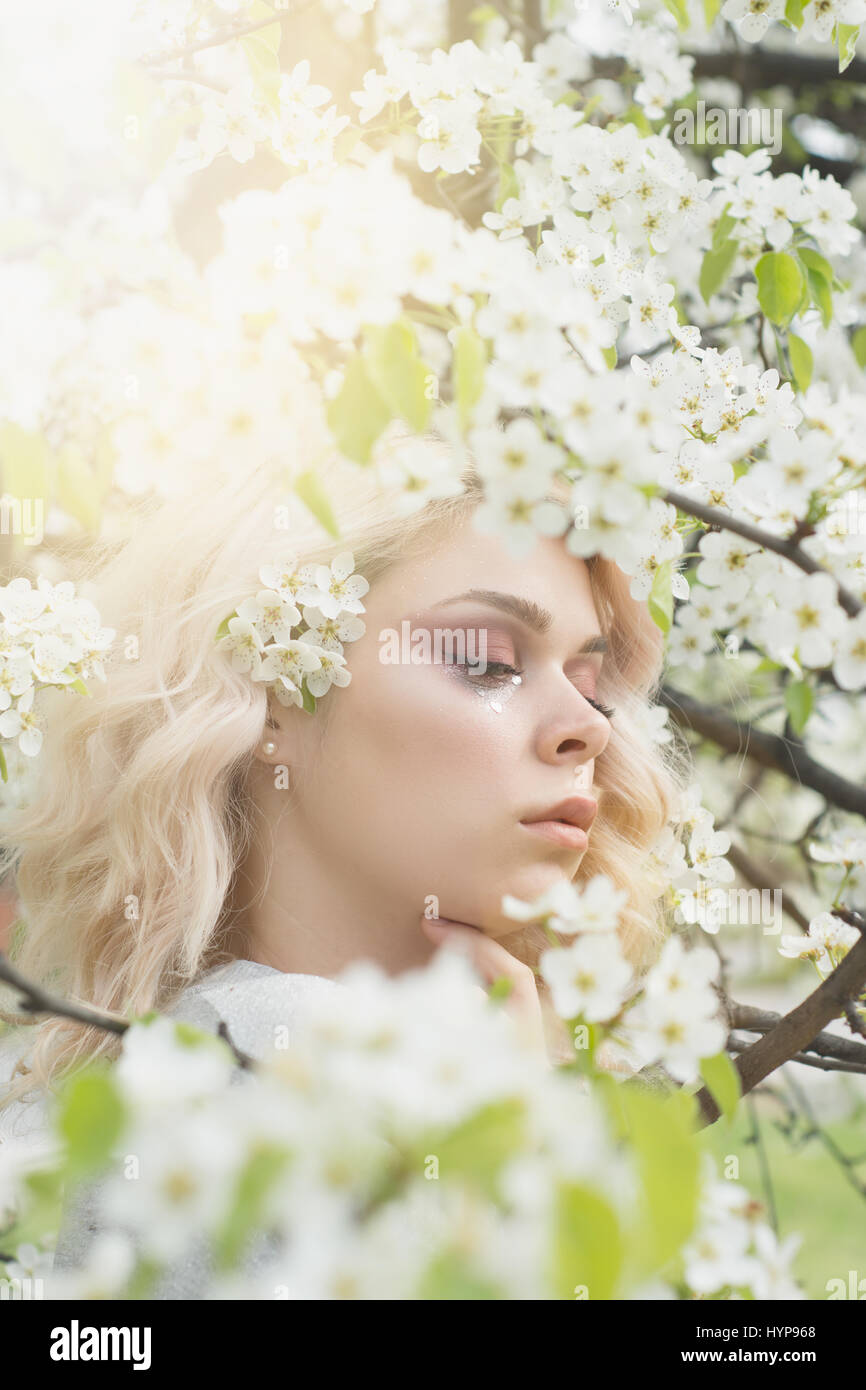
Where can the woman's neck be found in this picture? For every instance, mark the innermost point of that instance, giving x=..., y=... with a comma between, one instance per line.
x=310, y=921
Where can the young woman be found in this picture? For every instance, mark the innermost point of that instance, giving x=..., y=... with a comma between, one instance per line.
x=198, y=846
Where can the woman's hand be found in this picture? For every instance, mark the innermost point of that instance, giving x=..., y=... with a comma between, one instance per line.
x=492, y=962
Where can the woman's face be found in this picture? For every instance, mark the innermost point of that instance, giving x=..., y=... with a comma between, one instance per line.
x=429, y=774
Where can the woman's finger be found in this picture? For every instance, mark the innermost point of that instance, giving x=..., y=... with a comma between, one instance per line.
x=494, y=963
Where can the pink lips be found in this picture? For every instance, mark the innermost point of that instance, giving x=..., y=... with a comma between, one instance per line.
x=566, y=824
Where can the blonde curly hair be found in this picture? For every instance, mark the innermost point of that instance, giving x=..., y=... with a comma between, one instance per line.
x=142, y=788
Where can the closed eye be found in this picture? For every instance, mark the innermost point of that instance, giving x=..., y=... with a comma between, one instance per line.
x=602, y=709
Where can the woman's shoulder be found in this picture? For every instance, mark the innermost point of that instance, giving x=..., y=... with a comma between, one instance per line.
x=260, y=1006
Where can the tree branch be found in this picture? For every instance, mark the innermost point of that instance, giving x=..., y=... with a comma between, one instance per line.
x=757, y=68
x=170, y=55
x=797, y=1029
x=766, y=749
x=35, y=1000
x=752, y=874
x=784, y=546
x=742, y=1045
x=752, y=1020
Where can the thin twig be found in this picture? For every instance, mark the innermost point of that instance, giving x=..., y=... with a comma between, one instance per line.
x=766, y=749
x=845, y=1162
x=170, y=55
x=35, y=1000
x=780, y=545
x=766, y=1176
x=750, y=871
x=797, y=1029
x=752, y=1020
x=740, y=1045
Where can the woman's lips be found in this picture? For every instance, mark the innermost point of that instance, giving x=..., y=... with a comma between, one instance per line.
x=560, y=832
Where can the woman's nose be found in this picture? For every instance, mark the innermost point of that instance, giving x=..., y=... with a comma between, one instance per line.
x=576, y=732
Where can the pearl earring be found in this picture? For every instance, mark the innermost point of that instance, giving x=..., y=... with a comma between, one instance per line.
x=269, y=747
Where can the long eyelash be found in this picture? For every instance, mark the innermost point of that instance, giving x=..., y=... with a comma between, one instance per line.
x=602, y=709
x=511, y=671
x=500, y=666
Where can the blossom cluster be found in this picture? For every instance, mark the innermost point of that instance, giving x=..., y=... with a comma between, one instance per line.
x=340, y=1133
x=827, y=942
x=735, y=1247
x=672, y=1020
x=48, y=637
x=319, y=604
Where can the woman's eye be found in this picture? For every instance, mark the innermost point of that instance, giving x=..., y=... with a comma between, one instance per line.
x=493, y=673
x=602, y=709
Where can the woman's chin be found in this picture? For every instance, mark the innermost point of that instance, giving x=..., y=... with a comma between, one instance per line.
x=526, y=888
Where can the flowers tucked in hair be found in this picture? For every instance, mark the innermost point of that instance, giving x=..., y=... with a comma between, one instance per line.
x=47, y=637
x=291, y=633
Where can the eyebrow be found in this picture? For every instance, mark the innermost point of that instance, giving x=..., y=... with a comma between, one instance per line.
x=524, y=609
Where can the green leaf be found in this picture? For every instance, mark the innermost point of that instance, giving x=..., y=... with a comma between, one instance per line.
x=451, y=1277
x=813, y=260
x=819, y=282
x=711, y=10
x=680, y=11
x=261, y=1170
x=41, y=1210
x=470, y=359
x=801, y=361
x=309, y=488
x=780, y=285
x=483, y=14
x=821, y=296
x=799, y=700
x=264, y=68
x=588, y=1245
x=357, y=415
x=477, y=1148
x=715, y=268
x=4, y=773
x=846, y=38
x=663, y=1140
x=794, y=12
x=858, y=343
x=223, y=629
x=79, y=491
x=723, y=228
x=722, y=1080
x=398, y=373
x=78, y=684
x=272, y=33
x=261, y=50
x=309, y=700
x=661, y=598
x=91, y=1119
x=192, y=1036
x=23, y=462
x=609, y=355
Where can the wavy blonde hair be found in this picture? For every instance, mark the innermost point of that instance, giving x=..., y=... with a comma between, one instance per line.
x=142, y=791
